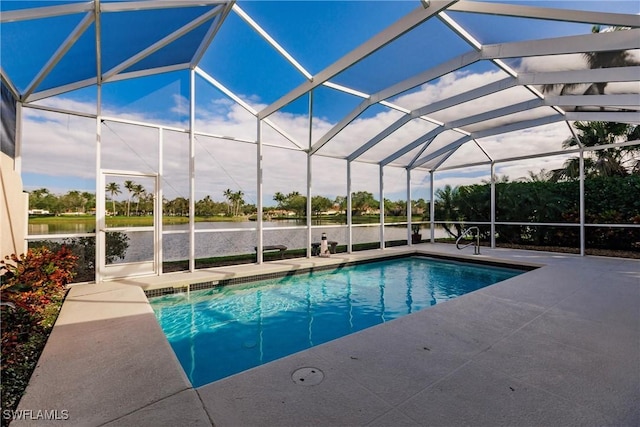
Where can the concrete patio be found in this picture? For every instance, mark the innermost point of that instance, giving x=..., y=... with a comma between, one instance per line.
x=556, y=346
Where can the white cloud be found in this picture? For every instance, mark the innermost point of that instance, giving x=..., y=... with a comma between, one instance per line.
x=58, y=145
x=578, y=62
x=447, y=86
x=575, y=61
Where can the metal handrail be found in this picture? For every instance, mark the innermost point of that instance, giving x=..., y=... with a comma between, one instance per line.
x=476, y=243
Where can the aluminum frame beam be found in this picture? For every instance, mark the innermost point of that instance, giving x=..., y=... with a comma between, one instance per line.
x=271, y=41
x=375, y=43
x=8, y=83
x=617, y=74
x=442, y=151
x=595, y=42
x=617, y=40
x=545, y=13
x=353, y=114
x=604, y=116
x=465, y=121
x=621, y=100
x=156, y=4
x=66, y=45
x=36, y=96
x=512, y=127
x=46, y=12
x=193, y=24
x=379, y=137
x=613, y=74
x=426, y=138
x=246, y=106
x=458, y=99
x=208, y=38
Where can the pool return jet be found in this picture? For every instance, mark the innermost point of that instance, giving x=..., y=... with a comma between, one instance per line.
x=475, y=242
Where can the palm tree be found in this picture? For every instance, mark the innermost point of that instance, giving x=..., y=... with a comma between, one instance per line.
x=446, y=209
x=138, y=191
x=279, y=198
x=542, y=176
x=129, y=185
x=228, y=194
x=614, y=58
x=237, y=202
x=608, y=162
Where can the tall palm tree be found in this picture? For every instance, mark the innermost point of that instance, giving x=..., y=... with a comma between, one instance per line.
x=614, y=58
x=446, y=209
x=228, y=194
x=138, y=191
x=237, y=202
x=129, y=185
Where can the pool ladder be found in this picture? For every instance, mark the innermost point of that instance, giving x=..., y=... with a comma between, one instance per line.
x=476, y=242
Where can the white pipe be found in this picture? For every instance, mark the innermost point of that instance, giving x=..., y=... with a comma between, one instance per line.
x=192, y=173
x=381, y=176
x=259, y=207
x=309, y=176
x=582, y=206
x=432, y=209
x=409, y=218
x=349, y=208
x=493, y=205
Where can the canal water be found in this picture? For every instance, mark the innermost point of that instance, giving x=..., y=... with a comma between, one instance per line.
x=214, y=239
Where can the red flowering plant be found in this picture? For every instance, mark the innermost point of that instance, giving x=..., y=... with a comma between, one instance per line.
x=32, y=288
x=36, y=277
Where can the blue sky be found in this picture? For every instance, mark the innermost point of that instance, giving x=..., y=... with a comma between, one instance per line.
x=316, y=34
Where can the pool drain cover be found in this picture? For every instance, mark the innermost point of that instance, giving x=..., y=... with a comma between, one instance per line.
x=308, y=376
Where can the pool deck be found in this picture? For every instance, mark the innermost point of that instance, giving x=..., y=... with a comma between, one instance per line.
x=556, y=346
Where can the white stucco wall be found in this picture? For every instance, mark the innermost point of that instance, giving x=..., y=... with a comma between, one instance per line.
x=14, y=205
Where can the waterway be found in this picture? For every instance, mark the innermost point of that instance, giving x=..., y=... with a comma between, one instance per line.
x=214, y=239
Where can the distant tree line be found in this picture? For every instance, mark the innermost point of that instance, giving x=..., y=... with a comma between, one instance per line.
x=139, y=202
x=362, y=203
x=71, y=202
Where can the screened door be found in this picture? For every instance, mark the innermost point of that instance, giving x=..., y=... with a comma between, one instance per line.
x=128, y=236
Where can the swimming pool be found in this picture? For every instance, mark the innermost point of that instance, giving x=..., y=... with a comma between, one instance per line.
x=221, y=331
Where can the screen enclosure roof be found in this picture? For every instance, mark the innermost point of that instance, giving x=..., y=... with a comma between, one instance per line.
x=414, y=84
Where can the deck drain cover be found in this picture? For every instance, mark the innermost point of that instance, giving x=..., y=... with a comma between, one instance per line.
x=308, y=376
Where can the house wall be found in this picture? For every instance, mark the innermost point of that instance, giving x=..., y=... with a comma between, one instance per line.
x=14, y=205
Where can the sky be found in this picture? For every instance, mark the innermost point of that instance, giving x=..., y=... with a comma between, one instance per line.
x=316, y=34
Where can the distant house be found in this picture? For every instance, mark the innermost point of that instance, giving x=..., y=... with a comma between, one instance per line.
x=39, y=212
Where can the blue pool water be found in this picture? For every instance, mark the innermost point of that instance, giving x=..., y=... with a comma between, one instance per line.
x=225, y=330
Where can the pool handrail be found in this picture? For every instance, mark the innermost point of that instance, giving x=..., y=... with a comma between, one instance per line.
x=476, y=242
